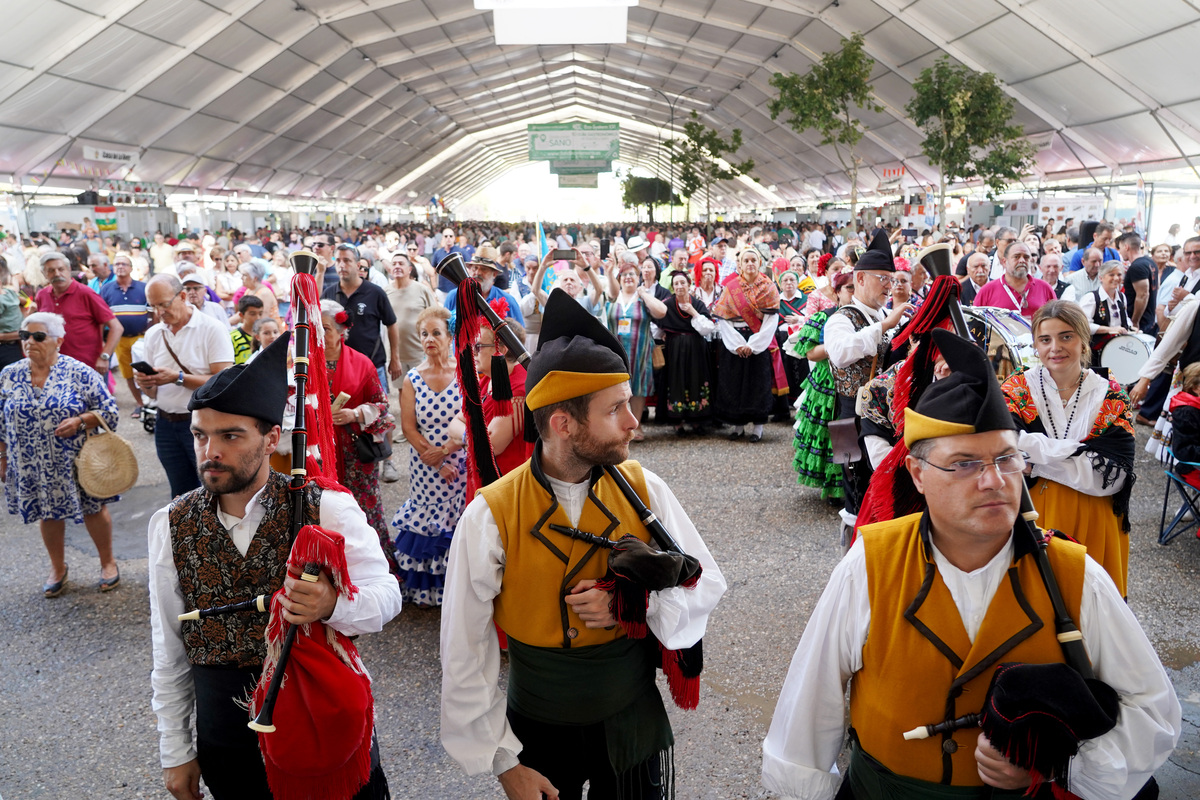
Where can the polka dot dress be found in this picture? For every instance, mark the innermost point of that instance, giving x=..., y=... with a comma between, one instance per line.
x=425, y=523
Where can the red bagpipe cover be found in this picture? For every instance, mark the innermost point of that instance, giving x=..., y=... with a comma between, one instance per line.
x=324, y=713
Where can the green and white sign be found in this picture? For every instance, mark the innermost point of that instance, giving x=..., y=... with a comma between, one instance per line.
x=591, y=181
x=574, y=141
x=584, y=167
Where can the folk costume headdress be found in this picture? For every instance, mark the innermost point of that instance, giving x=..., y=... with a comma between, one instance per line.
x=577, y=356
x=877, y=256
x=323, y=718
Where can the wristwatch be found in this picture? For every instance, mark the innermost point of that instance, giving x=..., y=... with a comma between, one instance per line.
x=179, y=380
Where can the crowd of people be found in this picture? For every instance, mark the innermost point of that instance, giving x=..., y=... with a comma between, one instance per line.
x=832, y=330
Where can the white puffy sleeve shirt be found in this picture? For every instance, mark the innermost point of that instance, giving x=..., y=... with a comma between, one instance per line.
x=475, y=729
x=174, y=694
x=805, y=737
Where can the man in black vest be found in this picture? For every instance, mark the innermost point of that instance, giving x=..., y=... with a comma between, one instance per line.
x=229, y=541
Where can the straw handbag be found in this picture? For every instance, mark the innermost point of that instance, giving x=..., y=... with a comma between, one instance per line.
x=106, y=465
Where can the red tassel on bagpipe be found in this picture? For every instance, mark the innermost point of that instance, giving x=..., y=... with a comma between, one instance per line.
x=322, y=454
x=321, y=747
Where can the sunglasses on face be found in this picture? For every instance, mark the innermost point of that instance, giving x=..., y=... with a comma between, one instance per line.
x=37, y=336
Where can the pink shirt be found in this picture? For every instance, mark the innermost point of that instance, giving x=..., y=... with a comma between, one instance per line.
x=999, y=294
x=85, y=315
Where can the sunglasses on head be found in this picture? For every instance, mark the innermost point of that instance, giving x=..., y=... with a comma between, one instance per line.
x=37, y=336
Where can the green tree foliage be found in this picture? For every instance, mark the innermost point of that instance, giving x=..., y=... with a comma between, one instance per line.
x=649, y=192
x=699, y=156
x=825, y=99
x=967, y=121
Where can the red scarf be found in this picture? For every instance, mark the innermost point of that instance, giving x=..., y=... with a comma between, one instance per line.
x=1185, y=399
x=766, y=297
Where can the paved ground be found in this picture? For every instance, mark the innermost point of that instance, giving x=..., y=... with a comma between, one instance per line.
x=75, y=715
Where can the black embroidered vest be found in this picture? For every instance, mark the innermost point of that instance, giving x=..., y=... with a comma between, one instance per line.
x=1103, y=317
x=850, y=379
x=213, y=573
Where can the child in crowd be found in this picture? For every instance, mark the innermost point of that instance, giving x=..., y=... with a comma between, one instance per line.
x=250, y=310
x=1185, y=424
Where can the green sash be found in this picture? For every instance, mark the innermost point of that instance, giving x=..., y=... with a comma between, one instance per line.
x=870, y=780
x=610, y=683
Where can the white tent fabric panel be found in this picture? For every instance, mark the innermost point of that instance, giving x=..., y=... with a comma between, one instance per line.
x=319, y=96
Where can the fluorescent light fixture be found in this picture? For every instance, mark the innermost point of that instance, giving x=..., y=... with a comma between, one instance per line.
x=533, y=22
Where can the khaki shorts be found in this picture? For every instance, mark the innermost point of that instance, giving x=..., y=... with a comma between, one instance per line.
x=125, y=355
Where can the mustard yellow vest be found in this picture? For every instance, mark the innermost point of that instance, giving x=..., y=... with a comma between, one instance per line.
x=541, y=564
x=920, y=668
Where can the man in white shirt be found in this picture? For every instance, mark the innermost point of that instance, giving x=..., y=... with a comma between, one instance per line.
x=184, y=348
x=228, y=542
x=528, y=555
x=947, y=595
x=1087, y=279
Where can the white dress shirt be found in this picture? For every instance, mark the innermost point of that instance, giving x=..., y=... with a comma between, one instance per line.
x=1174, y=340
x=846, y=345
x=732, y=338
x=1115, y=304
x=475, y=730
x=805, y=737
x=174, y=693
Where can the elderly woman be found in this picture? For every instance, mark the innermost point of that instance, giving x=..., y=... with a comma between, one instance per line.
x=628, y=317
x=47, y=401
x=1105, y=308
x=687, y=393
x=429, y=399
x=813, y=459
x=747, y=315
x=707, y=289
x=1078, y=431
x=253, y=272
x=363, y=413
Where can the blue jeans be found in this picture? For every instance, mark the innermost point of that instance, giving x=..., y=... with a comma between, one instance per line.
x=173, y=441
x=382, y=371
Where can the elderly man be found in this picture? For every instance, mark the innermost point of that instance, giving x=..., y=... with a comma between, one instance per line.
x=1101, y=239
x=947, y=595
x=1014, y=289
x=1087, y=279
x=986, y=242
x=857, y=338
x=102, y=273
x=185, y=348
x=485, y=268
x=1051, y=268
x=197, y=293
x=127, y=299
x=162, y=255
x=978, y=269
x=368, y=307
x=719, y=249
x=84, y=313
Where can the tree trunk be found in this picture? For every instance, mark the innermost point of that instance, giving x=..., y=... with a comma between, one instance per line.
x=650, y=212
x=853, y=193
x=942, y=202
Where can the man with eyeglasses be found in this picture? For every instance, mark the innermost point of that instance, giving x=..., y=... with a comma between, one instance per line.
x=185, y=348
x=857, y=338
x=1015, y=289
x=84, y=313
x=322, y=247
x=1182, y=337
x=948, y=595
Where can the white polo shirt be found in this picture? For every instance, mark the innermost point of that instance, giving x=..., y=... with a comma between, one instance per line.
x=200, y=342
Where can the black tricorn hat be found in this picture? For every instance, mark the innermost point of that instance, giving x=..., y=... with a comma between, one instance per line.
x=968, y=400
x=878, y=255
x=576, y=355
x=256, y=389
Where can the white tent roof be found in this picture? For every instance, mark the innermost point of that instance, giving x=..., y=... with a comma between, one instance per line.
x=313, y=98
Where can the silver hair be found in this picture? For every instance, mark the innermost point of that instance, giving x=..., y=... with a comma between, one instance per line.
x=330, y=309
x=52, y=255
x=1109, y=266
x=103, y=258
x=56, y=326
x=242, y=248
x=256, y=267
x=170, y=281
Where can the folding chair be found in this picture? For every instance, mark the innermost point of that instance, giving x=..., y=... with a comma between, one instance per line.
x=1189, y=508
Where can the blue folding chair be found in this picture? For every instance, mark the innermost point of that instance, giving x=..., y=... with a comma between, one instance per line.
x=1189, y=507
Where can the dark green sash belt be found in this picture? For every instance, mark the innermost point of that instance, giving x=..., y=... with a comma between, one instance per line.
x=870, y=780
x=610, y=683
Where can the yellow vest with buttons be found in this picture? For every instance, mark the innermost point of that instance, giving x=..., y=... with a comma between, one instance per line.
x=919, y=666
x=541, y=564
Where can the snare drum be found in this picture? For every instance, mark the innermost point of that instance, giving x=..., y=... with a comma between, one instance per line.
x=1123, y=355
x=1009, y=338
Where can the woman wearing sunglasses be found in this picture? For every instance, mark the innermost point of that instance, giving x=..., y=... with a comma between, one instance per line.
x=47, y=401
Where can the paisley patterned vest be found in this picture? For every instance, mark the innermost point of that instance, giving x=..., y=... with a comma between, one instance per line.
x=850, y=379
x=213, y=573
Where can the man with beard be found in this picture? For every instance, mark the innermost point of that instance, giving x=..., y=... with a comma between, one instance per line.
x=582, y=704
x=1015, y=289
x=485, y=268
x=228, y=541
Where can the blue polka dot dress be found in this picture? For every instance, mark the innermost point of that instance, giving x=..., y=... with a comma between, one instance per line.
x=425, y=523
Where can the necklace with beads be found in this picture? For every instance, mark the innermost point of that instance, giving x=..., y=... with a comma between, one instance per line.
x=1074, y=406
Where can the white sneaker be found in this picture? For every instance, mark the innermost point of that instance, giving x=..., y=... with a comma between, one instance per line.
x=389, y=474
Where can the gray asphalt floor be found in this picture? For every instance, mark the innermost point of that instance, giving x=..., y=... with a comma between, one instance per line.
x=75, y=718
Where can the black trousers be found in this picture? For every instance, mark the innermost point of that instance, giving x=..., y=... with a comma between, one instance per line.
x=856, y=476
x=569, y=755
x=1156, y=395
x=227, y=750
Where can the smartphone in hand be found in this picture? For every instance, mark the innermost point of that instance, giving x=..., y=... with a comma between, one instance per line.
x=143, y=367
x=563, y=255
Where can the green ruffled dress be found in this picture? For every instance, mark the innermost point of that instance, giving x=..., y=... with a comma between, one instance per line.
x=813, y=460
